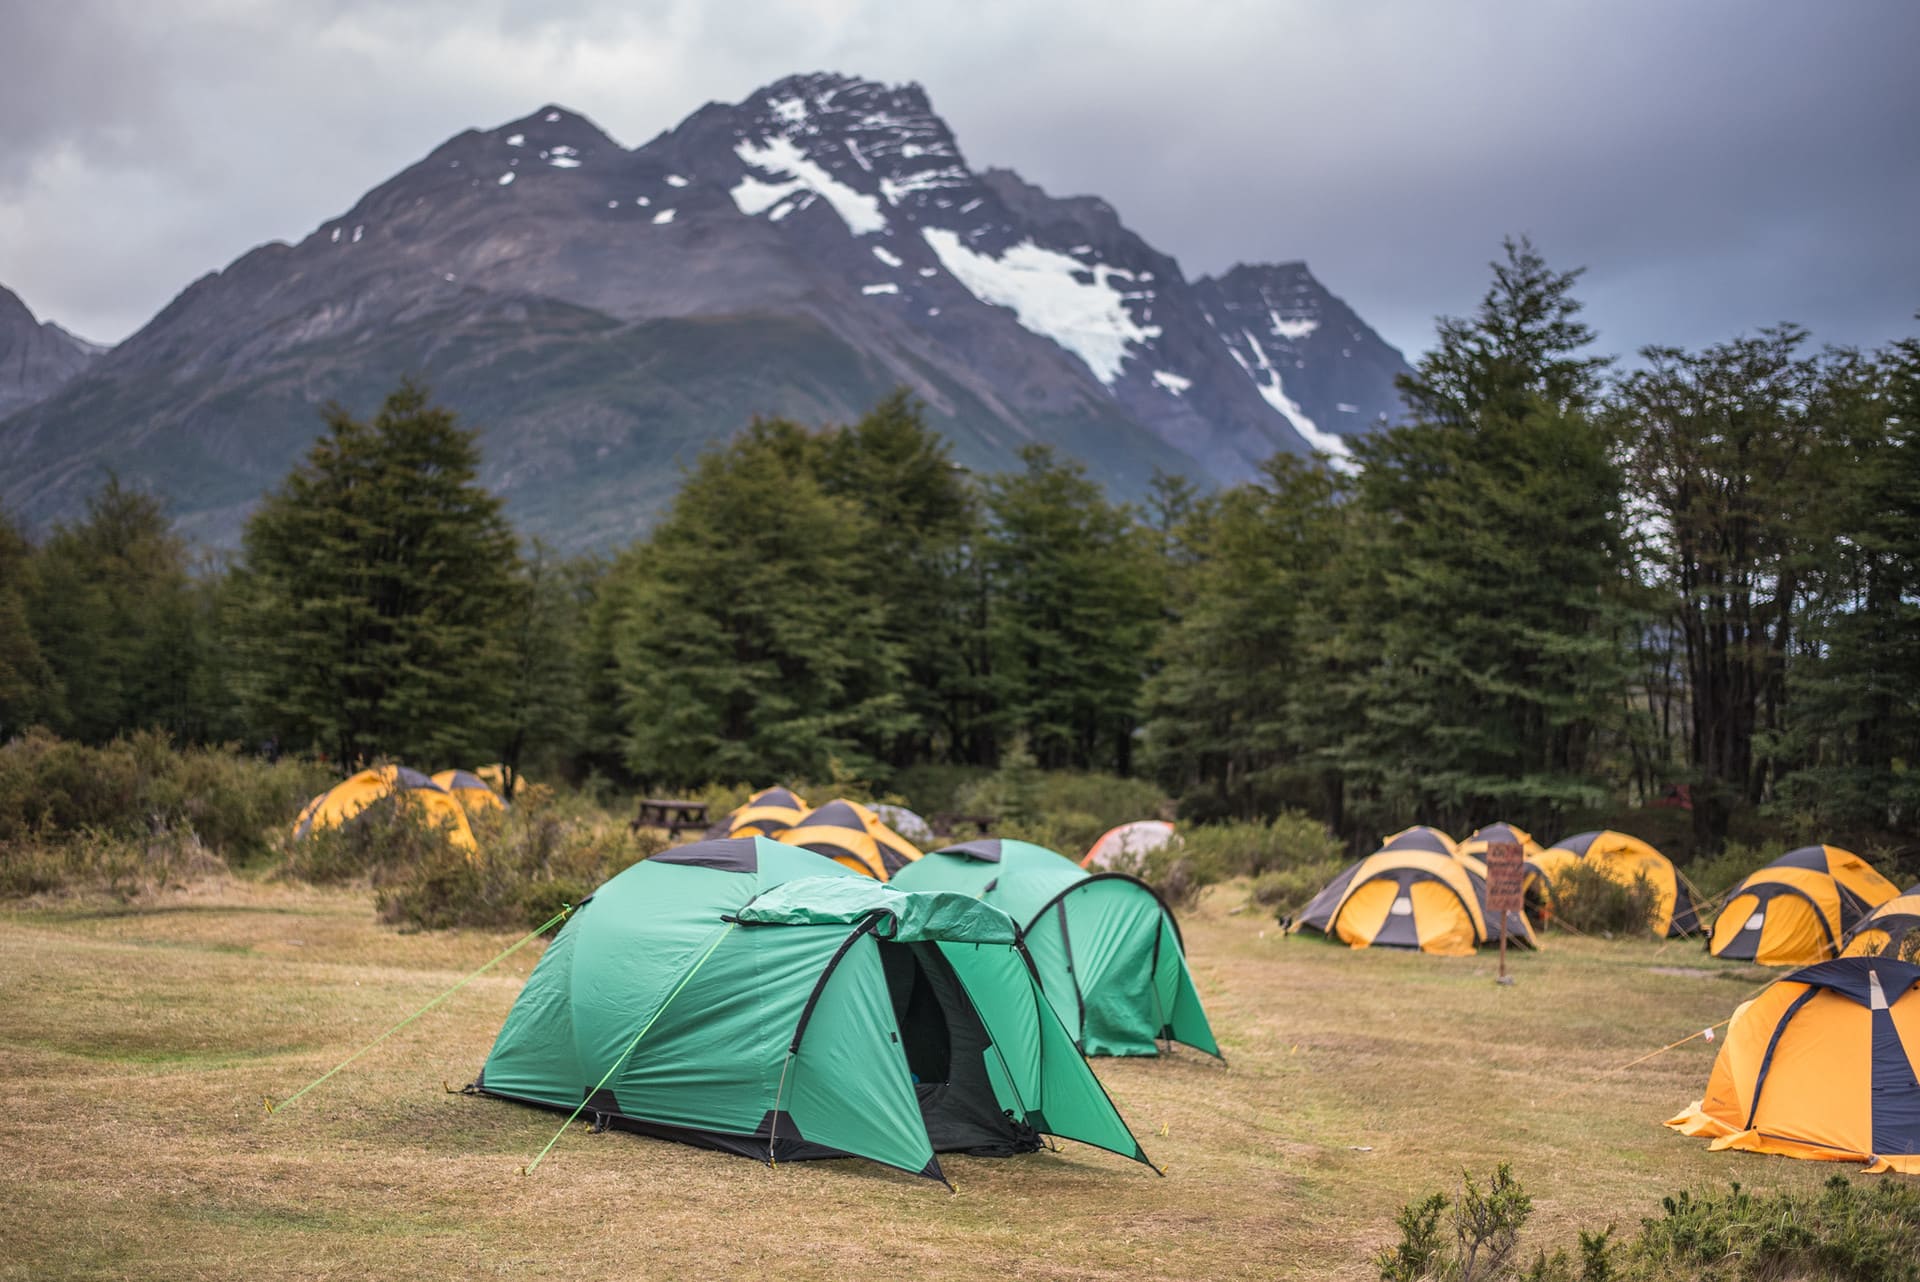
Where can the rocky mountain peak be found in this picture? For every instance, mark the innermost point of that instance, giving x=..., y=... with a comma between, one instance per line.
x=37, y=358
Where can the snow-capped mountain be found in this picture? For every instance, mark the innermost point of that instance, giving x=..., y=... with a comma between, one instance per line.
x=37, y=358
x=602, y=314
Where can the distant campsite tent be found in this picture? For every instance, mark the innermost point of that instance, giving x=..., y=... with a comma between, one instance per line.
x=470, y=790
x=1109, y=953
x=766, y=812
x=344, y=802
x=905, y=822
x=1822, y=1065
x=1624, y=858
x=1798, y=908
x=1891, y=930
x=742, y=995
x=849, y=833
x=1120, y=847
x=1404, y=898
x=1421, y=837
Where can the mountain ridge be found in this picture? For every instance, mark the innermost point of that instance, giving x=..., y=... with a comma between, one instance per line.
x=589, y=307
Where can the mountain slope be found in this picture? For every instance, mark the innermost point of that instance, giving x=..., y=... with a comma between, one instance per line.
x=37, y=358
x=602, y=314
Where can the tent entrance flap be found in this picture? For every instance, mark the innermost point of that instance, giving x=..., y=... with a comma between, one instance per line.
x=947, y=1047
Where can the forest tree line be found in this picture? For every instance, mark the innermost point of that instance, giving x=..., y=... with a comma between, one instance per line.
x=1557, y=587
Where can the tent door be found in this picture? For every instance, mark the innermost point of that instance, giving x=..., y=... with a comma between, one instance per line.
x=946, y=1048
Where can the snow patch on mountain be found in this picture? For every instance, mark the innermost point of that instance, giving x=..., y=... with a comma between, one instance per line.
x=1047, y=294
x=1267, y=380
x=780, y=158
x=1172, y=382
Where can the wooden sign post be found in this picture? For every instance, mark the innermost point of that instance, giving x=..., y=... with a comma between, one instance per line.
x=1506, y=883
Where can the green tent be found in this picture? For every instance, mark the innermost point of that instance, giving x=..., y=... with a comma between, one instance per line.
x=749, y=996
x=1108, y=950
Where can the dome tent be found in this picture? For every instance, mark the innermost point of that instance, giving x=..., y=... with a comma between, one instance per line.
x=1400, y=898
x=346, y=800
x=1624, y=858
x=742, y=995
x=1121, y=846
x=1108, y=952
x=765, y=813
x=1821, y=1065
x=1798, y=908
x=848, y=833
x=470, y=790
x=1891, y=930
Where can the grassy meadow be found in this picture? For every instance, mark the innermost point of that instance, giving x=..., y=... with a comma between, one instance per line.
x=137, y=1042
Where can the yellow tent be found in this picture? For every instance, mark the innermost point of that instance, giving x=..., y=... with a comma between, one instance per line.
x=470, y=790
x=1624, y=858
x=1798, y=908
x=1400, y=899
x=1822, y=1065
x=766, y=812
x=346, y=799
x=849, y=833
x=1891, y=930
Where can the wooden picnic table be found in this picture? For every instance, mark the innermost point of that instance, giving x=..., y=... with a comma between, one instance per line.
x=675, y=816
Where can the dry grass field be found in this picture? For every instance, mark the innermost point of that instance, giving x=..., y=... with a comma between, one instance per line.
x=136, y=1044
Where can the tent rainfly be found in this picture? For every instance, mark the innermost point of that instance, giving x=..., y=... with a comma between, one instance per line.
x=1822, y=1065
x=1891, y=930
x=1624, y=858
x=346, y=800
x=1404, y=898
x=743, y=995
x=848, y=833
x=1109, y=953
x=766, y=812
x=470, y=790
x=1122, y=846
x=1798, y=908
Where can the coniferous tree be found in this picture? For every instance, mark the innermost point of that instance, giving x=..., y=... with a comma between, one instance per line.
x=1073, y=581
x=544, y=635
x=121, y=623
x=924, y=525
x=748, y=642
x=1226, y=732
x=28, y=688
x=368, y=604
x=1478, y=652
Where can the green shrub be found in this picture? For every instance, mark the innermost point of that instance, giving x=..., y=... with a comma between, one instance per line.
x=1291, y=839
x=1715, y=877
x=1486, y=1228
x=1848, y=1231
x=137, y=811
x=540, y=854
x=1287, y=890
x=1588, y=900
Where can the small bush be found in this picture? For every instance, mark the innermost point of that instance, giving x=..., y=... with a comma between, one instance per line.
x=1587, y=899
x=533, y=858
x=137, y=812
x=1291, y=839
x=1848, y=1232
x=1715, y=877
x=1486, y=1228
x=1288, y=890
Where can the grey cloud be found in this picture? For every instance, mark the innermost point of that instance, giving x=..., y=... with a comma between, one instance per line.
x=1717, y=166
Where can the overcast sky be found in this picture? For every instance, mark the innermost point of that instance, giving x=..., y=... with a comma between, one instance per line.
x=1716, y=166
